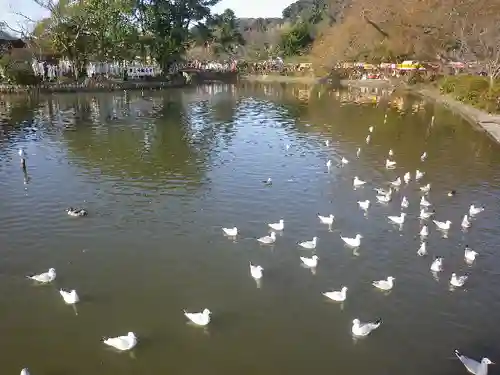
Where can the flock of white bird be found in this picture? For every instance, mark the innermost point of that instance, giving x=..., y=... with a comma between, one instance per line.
x=359, y=329
x=363, y=329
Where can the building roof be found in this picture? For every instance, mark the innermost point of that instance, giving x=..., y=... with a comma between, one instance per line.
x=6, y=37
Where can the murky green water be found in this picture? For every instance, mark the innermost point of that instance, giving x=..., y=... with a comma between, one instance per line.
x=160, y=174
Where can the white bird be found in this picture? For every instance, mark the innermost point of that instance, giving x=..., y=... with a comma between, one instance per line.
x=384, y=284
x=423, y=156
x=437, y=265
x=364, y=329
x=353, y=242
x=25, y=371
x=475, y=210
x=396, y=182
x=310, y=262
x=357, y=182
x=230, y=231
x=466, y=222
x=424, y=232
x=390, y=164
x=384, y=198
x=22, y=153
x=268, y=239
x=256, y=271
x=327, y=143
x=69, y=298
x=358, y=152
x=391, y=153
x=443, y=225
x=398, y=219
x=419, y=175
x=407, y=177
x=473, y=366
x=45, y=277
x=344, y=161
x=370, y=129
x=422, y=250
x=424, y=202
x=368, y=138
x=364, y=205
x=424, y=215
x=200, y=318
x=470, y=255
x=287, y=147
x=381, y=191
x=339, y=296
x=458, y=281
x=404, y=202
x=122, y=343
x=277, y=226
x=326, y=219
x=269, y=181
x=310, y=245
x=426, y=188
x=329, y=164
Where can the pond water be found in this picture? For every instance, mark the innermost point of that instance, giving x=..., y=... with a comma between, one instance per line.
x=161, y=172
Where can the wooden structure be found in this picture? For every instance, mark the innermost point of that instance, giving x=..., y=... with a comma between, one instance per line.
x=8, y=41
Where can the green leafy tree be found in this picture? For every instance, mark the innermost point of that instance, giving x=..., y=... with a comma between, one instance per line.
x=225, y=33
x=296, y=39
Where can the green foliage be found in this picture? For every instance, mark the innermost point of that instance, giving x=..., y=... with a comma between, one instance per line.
x=473, y=90
x=15, y=69
x=297, y=39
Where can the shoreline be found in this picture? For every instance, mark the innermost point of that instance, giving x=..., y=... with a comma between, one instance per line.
x=275, y=78
x=92, y=87
x=484, y=121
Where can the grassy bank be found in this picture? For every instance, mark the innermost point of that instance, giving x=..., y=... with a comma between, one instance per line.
x=473, y=90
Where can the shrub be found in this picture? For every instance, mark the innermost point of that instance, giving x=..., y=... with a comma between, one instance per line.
x=15, y=68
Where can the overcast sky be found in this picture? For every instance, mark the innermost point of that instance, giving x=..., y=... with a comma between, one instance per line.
x=242, y=8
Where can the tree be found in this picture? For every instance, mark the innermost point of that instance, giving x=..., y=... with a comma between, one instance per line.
x=296, y=39
x=224, y=33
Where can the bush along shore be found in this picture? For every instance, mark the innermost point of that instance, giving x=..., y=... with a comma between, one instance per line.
x=89, y=86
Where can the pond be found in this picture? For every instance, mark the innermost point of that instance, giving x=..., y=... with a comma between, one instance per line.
x=160, y=173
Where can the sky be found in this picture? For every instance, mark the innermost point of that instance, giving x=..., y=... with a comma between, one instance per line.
x=242, y=8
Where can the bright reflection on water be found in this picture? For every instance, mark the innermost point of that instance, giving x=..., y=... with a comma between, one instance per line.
x=160, y=174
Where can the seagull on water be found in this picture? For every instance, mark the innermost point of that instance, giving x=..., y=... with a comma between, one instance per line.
x=466, y=222
x=423, y=156
x=277, y=226
x=383, y=191
x=424, y=202
x=384, y=198
x=390, y=164
x=357, y=182
x=358, y=152
x=437, y=265
x=398, y=219
x=422, y=250
x=25, y=371
x=473, y=366
x=452, y=193
x=344, y=161
x=200, y=318
x=458, y=281
x=364, y=205
x=256, y=271
x=230, y=231
x=469, y=255
x=396, y=182
x=122, y=343
x=339, y=296
x=310, y=245
x=368, y=138
x=443, y=225
x=384, y=284
x=268, y=240
x=424, y=232
x=44, y=278
x=419, y=175
x=370, y=129
x=329, y=164
x=473, y=210
x=327, y=143
x=404, y=202
x=353, y=242
x=407, y=177
x=310, y=262
x=424, y=215
x=328, y=220
x=391, y=153
x=70, y=298
x=426, y=188
x=268, y=182
x=364, y=329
